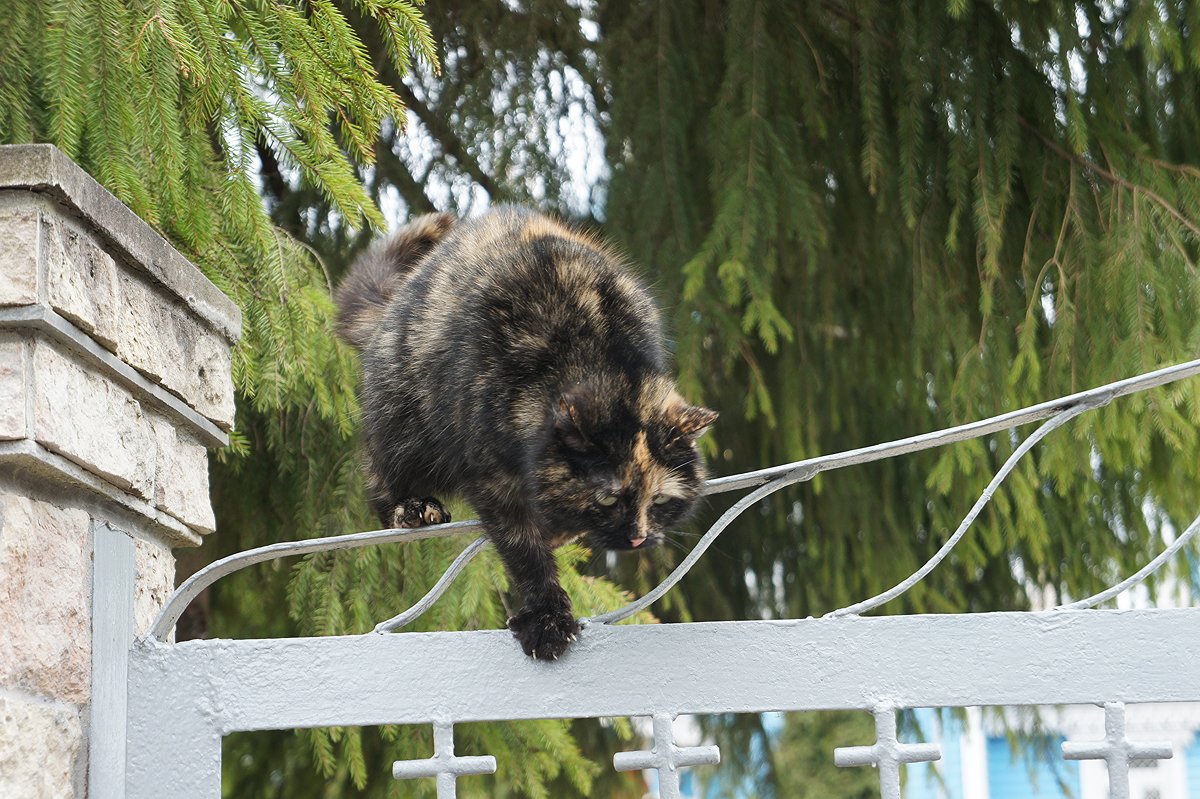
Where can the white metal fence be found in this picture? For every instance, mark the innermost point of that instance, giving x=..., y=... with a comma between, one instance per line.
x=184, y=697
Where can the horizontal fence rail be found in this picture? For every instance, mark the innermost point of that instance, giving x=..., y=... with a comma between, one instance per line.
x=764, y=482
x=184, y=697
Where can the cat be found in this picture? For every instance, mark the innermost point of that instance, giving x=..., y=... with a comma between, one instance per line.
x=517, y=363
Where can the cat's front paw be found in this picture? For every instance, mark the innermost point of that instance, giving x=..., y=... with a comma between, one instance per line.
x=412, y=513
x=545, y=631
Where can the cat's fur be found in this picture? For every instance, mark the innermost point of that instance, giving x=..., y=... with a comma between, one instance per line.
x=517, y=363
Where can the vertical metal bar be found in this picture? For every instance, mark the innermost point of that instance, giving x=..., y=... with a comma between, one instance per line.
x=664, y=745
x=886, y=762
x=887, y=753
x=113, y=578
x=666, y=758
x=443, y=752
x=443, y=766
x=176, y=720
x=1116, y=750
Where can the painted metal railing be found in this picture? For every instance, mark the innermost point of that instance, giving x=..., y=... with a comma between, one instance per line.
x=1056, y=672
x=764, y=482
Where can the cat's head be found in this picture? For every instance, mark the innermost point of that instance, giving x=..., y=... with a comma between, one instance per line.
x=621, y=470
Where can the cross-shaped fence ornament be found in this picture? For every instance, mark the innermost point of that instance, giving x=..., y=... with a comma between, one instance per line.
x=668, y=758
x=1116, y=750
x=443, y=765
x=887, y=753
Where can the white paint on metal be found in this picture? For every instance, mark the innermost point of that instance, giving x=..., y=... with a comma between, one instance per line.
x=113, y=579
x=194, y=585
x=963, y=432
x=184, y=697
x=769, y=480
x=1116, y=750
x=887, y=753
x=666, y=757
x=984, y=498
x=424, y=603
x=1141, y=574
x=444, y=765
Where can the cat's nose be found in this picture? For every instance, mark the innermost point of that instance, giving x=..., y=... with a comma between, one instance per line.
x=636, y=540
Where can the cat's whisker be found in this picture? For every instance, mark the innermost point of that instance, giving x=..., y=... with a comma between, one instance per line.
x=591, y=560
x=714, y=548
x=677, y=545
x=678, y=471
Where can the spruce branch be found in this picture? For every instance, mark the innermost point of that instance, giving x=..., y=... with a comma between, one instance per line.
x=452, y=145
x=1113, y=178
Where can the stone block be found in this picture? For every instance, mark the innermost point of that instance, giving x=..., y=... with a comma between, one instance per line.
x=45, y=169
x=91, y=420
x=211, y=378
x=181, y=476
x=70, y=245
x=41, y=745
x=81, y=279
x=12, y=387
x=18, y=256
x=155, y=567
x=147, y=329
x=45, y=599
x=159, y=339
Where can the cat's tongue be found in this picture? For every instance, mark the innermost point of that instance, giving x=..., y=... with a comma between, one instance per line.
x=637, y=542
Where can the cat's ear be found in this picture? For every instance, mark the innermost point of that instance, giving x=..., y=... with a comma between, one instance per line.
x=571, y=417
x=692, y=421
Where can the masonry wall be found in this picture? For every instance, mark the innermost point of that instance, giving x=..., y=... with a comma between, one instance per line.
x=114, y=383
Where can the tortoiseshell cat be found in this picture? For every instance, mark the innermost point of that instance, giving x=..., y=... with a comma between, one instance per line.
x=517, y=363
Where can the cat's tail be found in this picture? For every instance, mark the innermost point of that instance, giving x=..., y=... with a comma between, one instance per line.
x=375, y=277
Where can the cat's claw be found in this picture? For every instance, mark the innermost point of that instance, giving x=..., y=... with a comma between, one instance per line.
x=545, y=631
x=415, y=512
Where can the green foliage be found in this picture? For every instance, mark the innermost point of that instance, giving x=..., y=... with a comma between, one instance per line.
x=803, y=756
x=165, y=102
x=869, y=219
x=885, y=218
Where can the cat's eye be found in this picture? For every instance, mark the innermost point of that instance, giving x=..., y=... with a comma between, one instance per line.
x=662, y=499
x=607, y=501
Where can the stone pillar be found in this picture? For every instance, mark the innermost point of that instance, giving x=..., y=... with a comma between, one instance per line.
x=114, y=381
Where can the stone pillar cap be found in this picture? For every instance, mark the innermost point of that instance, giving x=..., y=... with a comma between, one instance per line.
x=46, y=169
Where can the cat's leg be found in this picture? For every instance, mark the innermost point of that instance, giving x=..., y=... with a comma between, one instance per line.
x=545, y=625
x=397, y=510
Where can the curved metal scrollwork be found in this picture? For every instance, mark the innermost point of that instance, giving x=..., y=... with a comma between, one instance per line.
x=763, y=482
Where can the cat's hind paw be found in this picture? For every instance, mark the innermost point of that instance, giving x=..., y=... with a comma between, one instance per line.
x=544, y=632
x=419, y=513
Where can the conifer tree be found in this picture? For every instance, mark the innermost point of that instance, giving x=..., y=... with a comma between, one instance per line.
x=870, y=219
x=884, y=218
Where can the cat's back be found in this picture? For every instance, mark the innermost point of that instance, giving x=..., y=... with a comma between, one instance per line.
x=486, y=327
x=516, y=293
